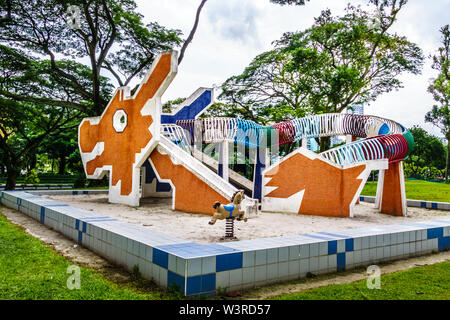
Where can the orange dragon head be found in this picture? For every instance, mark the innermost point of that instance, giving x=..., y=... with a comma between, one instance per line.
x=122, y=138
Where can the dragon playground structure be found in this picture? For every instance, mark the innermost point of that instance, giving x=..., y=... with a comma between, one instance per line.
x=148, y=153
x=153, y=154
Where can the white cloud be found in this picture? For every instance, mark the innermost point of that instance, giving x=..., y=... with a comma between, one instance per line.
x=232, y=32
x=235, y=20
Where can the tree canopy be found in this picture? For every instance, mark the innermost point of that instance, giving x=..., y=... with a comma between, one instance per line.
x=109, y=34
x=337, y=62
x=429, y=151
x=57, y=59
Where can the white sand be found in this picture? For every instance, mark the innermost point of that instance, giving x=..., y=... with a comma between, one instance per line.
x=156, y=214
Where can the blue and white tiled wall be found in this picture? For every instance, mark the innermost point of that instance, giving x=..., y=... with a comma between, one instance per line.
x=203, y=269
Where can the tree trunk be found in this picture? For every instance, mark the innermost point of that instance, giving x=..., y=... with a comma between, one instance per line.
x=11, y=179
x=62, y=165
x=33, y=162
x=324, y=144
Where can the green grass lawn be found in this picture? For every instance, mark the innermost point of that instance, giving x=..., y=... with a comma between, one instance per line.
x=428, y=283
x=417, y=190
x=30, y=269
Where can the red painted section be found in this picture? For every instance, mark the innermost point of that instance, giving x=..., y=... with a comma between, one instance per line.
x=392, y=193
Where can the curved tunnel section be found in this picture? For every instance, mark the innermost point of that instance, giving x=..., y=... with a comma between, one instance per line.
x=381, y=138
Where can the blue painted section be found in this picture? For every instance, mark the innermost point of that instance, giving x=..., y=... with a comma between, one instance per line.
x=384, y=129
x=260, y=165
x=229, y=208
x=332, y=247
x=444, y=243
x=84, y=227
x=423, y=204
x=209, y=282
x=229, y=261
x=80, y=237
x=434, y=205
x=161, y=258
x=77, y=224
x=249, y=133
x=341, y=261
x=349, y=244
x=42, y=217
x=74, y=193
x=201, y=285
x=317, y=237
x=220, y=166
x=190, y=112
x=175, y=279
x=334, y=235
x=193, y=285
x=150, y=175
x=435, y=233
x=361, y=198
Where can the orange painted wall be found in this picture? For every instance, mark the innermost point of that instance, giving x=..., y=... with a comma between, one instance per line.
x=191, y=193
x=392, y=194
x=121, y=147
x=328, y=189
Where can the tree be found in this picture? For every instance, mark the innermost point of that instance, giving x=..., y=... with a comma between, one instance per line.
x=440, y=89
x=109, y=34
x=34, y=104
x=23, y=127
x=41, y=42
x=61, y=147
x=338, y=62
x=428, y=151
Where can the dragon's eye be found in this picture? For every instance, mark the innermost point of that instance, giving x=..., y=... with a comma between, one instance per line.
x=120, y=120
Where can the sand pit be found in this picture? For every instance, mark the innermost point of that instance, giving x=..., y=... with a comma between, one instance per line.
x=156, y=214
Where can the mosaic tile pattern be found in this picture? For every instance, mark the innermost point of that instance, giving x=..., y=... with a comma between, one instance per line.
x=202, y=269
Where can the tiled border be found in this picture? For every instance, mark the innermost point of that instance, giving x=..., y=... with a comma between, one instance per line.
x=202, y=269
x=65, y=192
x=415, y=203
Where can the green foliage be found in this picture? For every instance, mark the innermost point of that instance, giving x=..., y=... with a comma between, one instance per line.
x=45, y=91
x=425, y=172
x=169, y=106
x=80, y=181
x=109, y=34
x=440, y=89
x=338, y=62
x=32, y=178
x=427, y=159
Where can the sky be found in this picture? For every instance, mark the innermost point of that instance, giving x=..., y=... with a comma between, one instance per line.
x=232, y=32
